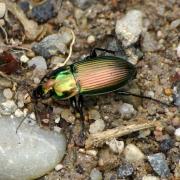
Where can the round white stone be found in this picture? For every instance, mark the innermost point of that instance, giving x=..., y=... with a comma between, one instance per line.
x=30, y=153
x=8, y=94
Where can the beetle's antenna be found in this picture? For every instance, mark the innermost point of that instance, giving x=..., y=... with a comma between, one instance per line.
x=144, y=97
x=70, y=52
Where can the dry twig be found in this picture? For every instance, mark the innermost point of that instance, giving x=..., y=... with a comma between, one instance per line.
x=70, y=52
x=97, y=139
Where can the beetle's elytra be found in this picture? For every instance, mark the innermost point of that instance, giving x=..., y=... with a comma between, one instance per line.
x=92, y=76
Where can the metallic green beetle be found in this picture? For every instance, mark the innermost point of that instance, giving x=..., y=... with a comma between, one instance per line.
x=92, y=76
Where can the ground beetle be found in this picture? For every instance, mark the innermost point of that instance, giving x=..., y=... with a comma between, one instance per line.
x=92, y=76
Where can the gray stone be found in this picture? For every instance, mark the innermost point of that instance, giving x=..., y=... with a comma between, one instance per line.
x=53, y=44
x=125, y=170
x=38, y=61
x=159, y=164
x=127, y=111
x=96, y=174
x=30, y=153
x=129, y=28
x=176, y=95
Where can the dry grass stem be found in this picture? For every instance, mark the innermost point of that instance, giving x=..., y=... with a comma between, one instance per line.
x=97, y=139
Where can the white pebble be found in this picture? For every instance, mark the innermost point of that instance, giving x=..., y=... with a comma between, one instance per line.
x=8, y=94
x=97, y=126
x=92, y=152
x=32, y=116
x=129, y=28
x=2, y=9
x=133, y=153
x=178, y=50
x=127, y=111
x=19, y=113
x=58, y=167
x=24, y=58
x=8, y=107
x=57, y=120
x=149, y=177
x=91, y=39
x=116, y=146
x=20, y=104
x=177, y=134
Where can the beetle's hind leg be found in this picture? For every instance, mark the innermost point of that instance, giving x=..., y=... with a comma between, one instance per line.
x=77, y=104
x=94, y=54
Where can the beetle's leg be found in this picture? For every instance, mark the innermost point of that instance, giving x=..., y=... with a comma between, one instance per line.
x=94, y=54
x=144, y=97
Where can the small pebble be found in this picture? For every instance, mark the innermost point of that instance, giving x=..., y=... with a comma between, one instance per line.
x=8, y=94
x=68, y=116
x=149, y=43
x=129, y=28
x=174, y=24
x=18, y=113
x=8, y=107
x=2, y=9
x=127, y=111
x=149, y=177
x=91, y=39
x=178, y=50
x=125, y=170
x=177, y=134
x=57, y=120
x=53, y=44
x=159, y=164
x=166, y=145
x=92, y=152
x=94, y=114
x=133, y=153
x=96, y=174
x=24, y=59
x=32, y=116
x=168, y=92
x=39, y=62
x=43, y=12
x=144, y=133
x=116, y=146
x=97, y=126
x=58, y=167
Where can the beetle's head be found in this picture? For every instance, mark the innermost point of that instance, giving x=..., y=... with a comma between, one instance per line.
x=44, y=90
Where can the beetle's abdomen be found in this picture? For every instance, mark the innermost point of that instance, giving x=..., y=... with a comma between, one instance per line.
x=103, y=74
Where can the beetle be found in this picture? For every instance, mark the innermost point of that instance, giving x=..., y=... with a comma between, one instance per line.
x=94, y=75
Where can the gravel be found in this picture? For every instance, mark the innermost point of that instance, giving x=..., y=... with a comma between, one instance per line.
x=133, y=154
x=127, y=111
x=43, y=12
x=96, y=174
x=53, y=44
x=129, y=28
x=125, y=170
x=39, y=62
x=159, y=164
